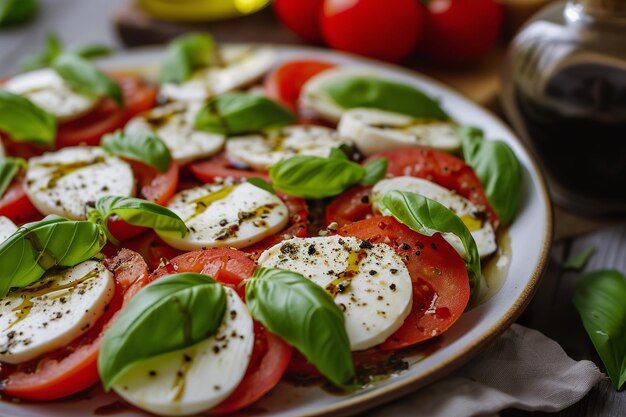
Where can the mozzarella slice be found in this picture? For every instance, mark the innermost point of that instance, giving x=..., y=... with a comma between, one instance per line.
x=53, y=311
x=219, y=215
x=369, y=283
x=7, y=228
x=45, y=88
x=68, y=181
x=474, y=218
x=261, y=151
x=192, y=380
x=175, y=124
x=235, y=67
x=376, y=130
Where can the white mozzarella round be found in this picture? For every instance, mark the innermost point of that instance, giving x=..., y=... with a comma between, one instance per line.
x=235, y=67
x=376, y=130
x=194, y=379
x=369, y=282
x=219, y=215
x=174, y=123
x=261, y=151
x=68, y=181
x=7, y=228
x=53, y=311
x=45, y=88
x=474, y=217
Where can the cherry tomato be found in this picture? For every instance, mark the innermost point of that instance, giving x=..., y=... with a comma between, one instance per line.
x=15, y=204
x=441, y=288
x=389, y=30
x=285, y=82
x=220, y=167
x=301, y=17
x=74, y=367
x=458, y=31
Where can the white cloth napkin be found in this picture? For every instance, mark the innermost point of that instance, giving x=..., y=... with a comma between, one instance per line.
x=522, y=369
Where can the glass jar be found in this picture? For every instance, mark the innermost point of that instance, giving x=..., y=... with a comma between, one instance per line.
x=565, y=94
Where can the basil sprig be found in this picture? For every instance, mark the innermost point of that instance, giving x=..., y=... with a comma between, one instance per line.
x=239, y=113
x=24, y=121
x=428, y=217
x=498, y=169
x=308, y=176
x=9, y=168
x=599, y=299
x=137, y=212
x=143, y=146
x=186, y=54
x=13, y=12
x=261, y=183
x=306, y=317
x=37, y=247
x=83, y=76
x=352, y=91
x=171, y=313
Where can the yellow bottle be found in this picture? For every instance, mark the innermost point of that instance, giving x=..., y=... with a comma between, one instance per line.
x=200, y=10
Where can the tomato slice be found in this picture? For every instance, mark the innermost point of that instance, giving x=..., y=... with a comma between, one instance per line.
x=74, y=368
x=444, y=169
x=219, y=167
x=441, y=288
x=152, y=248
x=15, y=204
x=353, y=205
x=285, y=82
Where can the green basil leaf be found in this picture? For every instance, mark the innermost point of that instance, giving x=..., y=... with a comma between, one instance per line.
x=171, y=313
x=24, y=121
x=94, y=50
x=371, y=92
x=137, y=212
x=37, y=247
x=306, y=317
x=428, y=217
x=239, y=113
x=261, y=183
x=52, y=49
x=186, y=54
x=579, y=260
x=143, y=146
x=338, y=153
x=13, y=12
x=498, y=169
x=315, y=177
x=9, y=167
x=599, y=299
x=83, y=76
x=375, y=171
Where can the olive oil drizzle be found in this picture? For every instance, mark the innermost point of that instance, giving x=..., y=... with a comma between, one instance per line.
x=203, y=203
x=472, y=222
x=180, y=381
x=61, y=170
x=339, y=284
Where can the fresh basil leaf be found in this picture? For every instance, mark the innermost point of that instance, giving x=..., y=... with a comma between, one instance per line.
x=579, y=260
x=428, y=217
x=171, y=313
x=143, y=146
x=599, y=299
x=13, y=12
x=37, y=247
x=306, y=317
x=308, y=176
x=338, y=153
x=238, y=113
x=137, y=212
x=186, y=54
x=375, y=171
x=261, y=183
x=498, y=169
x=94, y=50
x=24, y=121
x=52, y=49
x=354, y=91
x=83, y=76
x=9, y=167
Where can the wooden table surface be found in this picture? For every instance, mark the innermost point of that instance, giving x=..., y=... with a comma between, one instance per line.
x=551, y=312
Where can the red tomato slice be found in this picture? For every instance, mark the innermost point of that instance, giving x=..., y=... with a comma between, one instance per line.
x=440, y=283
x=285, y=82
x=15, y=204
x=74, y=368
x=219, y=167
x=152, y=248
x=444, y=169
x=353, y=205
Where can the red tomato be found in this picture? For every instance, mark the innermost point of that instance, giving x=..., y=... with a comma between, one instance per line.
x=354, y=204
x=388, y=30
x=15, y=204
x=301, y=17
x=459, y=30
x=74, y=368
x=285, y=82
x=220, y=167
x=444, y=169
x=152, y=248
x=441, y=288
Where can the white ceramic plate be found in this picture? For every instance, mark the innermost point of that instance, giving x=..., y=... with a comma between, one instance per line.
x=530, y=237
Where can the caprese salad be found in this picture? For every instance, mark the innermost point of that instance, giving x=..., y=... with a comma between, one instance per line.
x=190, y=241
